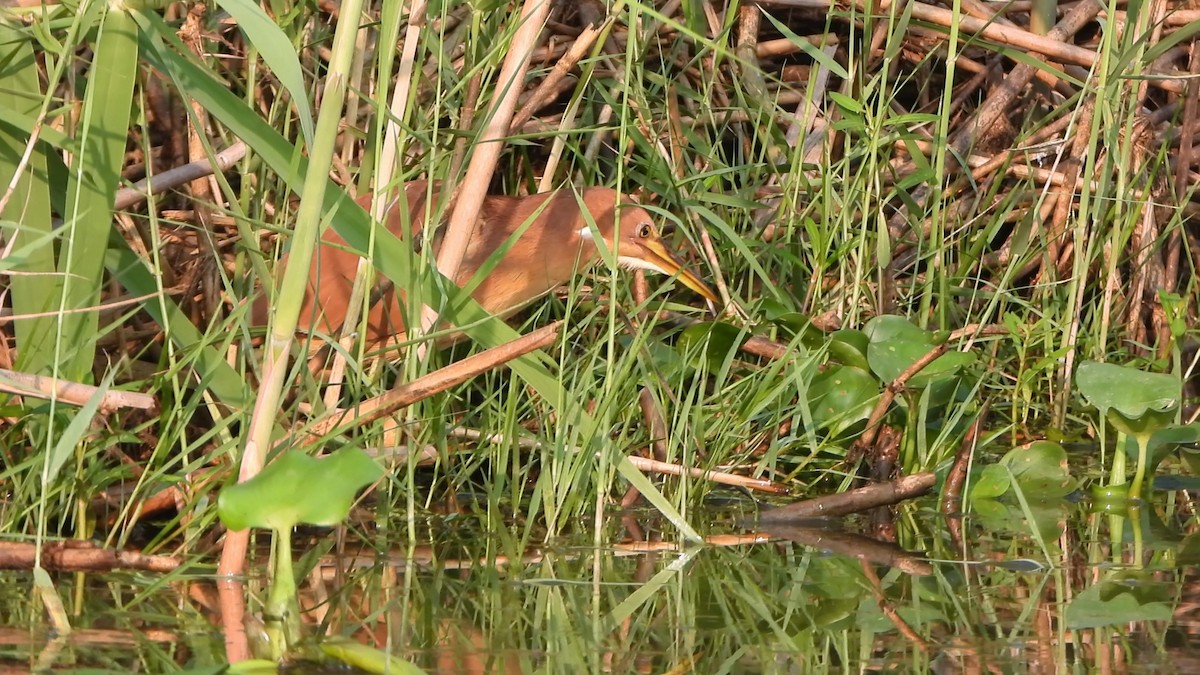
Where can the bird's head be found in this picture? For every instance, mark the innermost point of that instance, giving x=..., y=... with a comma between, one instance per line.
x=630, y=233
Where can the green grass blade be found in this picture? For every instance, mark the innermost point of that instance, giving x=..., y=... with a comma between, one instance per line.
x=226, y=385
x=277, y=50
x=29, y=206
x=72, y=436
x=95, y=174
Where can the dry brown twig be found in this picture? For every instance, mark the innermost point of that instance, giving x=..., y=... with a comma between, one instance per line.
x=853, y=501
x=430, y=454
x=456, y=373
x=74, y=393
x=470, y=196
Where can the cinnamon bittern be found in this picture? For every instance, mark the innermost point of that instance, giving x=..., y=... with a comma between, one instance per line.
x=555, y=246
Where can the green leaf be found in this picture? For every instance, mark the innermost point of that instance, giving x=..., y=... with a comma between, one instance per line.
x=278, y=53
x=95, y=174
x=73, y=434
x=212, y=371
x=993, y=482
x=296, y=488
x=710, y=344
x=366, y=658
x=840, y=396
x=1129, y=391
x=813, y=52
x=792, y=322
x=1041, y=470
x=849, y=347
x=33, y=260
x=1135, y=402
x=1116, y=601
x=1168, y=42
x=895, y=345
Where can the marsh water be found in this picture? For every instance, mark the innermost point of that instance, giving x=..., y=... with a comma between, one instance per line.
x=1023, y=587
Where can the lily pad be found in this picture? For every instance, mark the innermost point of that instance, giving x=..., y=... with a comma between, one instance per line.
x=1039, y=468
x=895, y=344
x=710, y=343
x=296, y=488
x=1131, y=392
x=793, y=323
x=849, y=347
x=842, y=396
x=1118, y=600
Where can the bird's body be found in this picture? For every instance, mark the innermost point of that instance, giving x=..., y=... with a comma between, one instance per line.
x=555, y=244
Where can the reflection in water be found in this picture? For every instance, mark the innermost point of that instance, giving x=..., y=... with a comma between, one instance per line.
x=787, y=599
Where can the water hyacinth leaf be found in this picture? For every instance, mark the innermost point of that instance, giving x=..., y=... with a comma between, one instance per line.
x=792, y=322
x=993, y=514
x=993, y=482
x=1131, y=392
x=1047, y=520
x=895, y=344
x=1117, y=601
x=1041, y=470
x=296, y=488
x=709, y=344
x=849, y=347
x=841, y=396
x=1166, y=440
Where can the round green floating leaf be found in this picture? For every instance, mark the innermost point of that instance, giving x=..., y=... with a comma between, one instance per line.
x=841, y=396
x=1040, y=468
x=296, y=488
x=1131, y=392
x=849, y=347
x=895, y=344
x=993, y=482
x=710, y=343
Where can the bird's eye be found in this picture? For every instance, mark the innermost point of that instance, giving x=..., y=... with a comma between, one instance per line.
x=645, y=230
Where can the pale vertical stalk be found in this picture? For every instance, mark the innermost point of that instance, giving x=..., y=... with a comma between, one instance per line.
x=295, y=276
x=487, y=149
x=384, y=171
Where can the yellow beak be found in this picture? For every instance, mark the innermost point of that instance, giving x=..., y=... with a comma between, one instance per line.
x=657, y=256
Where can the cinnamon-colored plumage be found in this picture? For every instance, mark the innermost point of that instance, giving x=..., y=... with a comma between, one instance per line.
x=555, y=246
